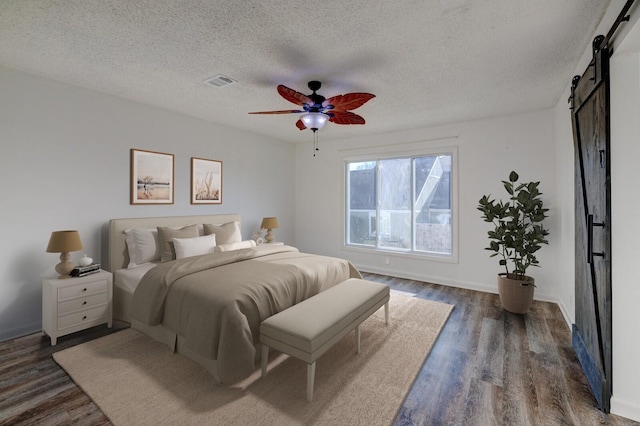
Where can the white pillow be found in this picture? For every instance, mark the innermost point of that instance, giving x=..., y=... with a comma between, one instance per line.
x=187, y=247
x=142, y=245
x=234, y=246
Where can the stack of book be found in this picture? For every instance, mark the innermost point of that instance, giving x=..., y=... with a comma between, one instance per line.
x=81, y=271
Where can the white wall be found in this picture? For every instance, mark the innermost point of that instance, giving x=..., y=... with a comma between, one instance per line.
x=625, y=204
x=565, y=186
x=487, y=151
x=64, y=164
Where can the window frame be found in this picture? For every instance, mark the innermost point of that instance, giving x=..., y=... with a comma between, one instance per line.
x=376, y=156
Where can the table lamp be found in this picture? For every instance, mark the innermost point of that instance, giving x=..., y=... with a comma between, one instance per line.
x=269, y=223
x=64, y=242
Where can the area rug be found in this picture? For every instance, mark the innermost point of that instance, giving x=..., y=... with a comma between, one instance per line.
x=137, y=381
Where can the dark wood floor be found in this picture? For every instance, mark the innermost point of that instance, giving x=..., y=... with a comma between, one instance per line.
x=488, y=367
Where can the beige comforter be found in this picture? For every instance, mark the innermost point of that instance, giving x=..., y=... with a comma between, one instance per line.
x=217, y=301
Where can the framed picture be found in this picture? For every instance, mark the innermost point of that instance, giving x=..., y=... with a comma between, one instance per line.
x=151, y=177
x=206, y=181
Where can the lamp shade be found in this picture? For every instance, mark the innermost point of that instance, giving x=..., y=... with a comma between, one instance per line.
x=269, y=223
x=64, y=242
x=314, y=120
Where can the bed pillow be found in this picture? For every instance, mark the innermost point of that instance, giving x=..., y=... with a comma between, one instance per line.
x=187, y=247
x=166, y=236
x=234, y=246
x=225, y=234
x=142, y=246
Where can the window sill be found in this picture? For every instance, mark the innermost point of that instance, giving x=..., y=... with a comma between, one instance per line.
x=445, y=258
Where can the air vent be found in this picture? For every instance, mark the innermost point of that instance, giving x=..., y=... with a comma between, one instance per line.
x=220, y=80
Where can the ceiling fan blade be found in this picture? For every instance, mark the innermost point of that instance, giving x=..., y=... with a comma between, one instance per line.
x=286, y=111
x=345, y=117
x=348, y=101
x=300, y=125
x=293, y=96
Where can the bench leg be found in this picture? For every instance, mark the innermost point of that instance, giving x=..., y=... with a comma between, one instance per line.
x=311, y=374
x=358, y=339
x=386, y=313
x=265, y=359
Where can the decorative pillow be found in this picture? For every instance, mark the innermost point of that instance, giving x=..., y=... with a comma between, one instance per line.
x=166, y=236
x=187, y=247
x=234, y=246
x=225, y=234
x=142, y=245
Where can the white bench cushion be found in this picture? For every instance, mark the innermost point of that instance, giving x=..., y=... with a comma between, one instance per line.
x=310, y=328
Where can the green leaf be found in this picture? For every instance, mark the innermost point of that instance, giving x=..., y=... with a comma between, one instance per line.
x=508, y=187
x=518, y=232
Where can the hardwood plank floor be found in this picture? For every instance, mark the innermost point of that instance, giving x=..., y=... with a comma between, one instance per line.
x=491, y=367
x=34, y=390
x=488, y=367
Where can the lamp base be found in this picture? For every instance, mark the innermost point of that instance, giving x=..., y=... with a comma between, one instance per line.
x=269, y=237
x=65, y=267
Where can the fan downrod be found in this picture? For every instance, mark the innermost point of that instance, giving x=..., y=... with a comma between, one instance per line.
x=317, y=99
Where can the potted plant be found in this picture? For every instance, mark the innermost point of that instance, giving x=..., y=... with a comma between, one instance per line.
x=516, y=237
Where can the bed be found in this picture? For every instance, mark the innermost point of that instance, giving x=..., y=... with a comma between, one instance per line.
x=209, y=307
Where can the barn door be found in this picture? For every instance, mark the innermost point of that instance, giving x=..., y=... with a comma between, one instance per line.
x=592, y=329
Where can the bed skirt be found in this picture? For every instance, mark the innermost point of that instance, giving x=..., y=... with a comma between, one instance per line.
x=176, y=344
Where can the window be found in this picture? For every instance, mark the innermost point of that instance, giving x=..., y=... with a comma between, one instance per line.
x=401, y=204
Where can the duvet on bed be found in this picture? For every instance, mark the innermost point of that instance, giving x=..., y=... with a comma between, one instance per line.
x=217, y=301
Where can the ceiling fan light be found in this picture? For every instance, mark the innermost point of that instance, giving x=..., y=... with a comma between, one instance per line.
x=314, y=120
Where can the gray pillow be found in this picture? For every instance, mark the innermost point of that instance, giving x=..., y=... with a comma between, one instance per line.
x=225, y=234
x=166, y=236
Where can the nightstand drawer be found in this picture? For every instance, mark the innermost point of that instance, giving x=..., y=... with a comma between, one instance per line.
x=74, y=304
x=86, y=302
x=82, y=289
x=81, y=317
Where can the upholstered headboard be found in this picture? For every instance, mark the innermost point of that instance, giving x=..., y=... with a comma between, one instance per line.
x=118, y=255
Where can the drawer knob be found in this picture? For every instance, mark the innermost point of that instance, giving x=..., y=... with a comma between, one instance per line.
x=84, y=303
x=84, y=317
x=84, y=289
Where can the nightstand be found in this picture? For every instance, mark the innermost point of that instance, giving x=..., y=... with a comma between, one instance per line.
x=74, y=304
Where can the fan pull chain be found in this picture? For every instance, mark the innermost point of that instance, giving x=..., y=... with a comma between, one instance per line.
x=315, y=141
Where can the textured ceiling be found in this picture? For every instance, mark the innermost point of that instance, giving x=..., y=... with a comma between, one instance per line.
x=429, y=62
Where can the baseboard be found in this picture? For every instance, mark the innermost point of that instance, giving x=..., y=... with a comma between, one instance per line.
x=464, y=284
x=21, y=331
x=563, y=308
x=428, y=278
x=627, y=409
x=565, y=313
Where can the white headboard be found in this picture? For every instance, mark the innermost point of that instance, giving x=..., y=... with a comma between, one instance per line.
x=118, y=255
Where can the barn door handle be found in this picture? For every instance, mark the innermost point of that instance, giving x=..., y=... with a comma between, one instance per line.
x=590, y=225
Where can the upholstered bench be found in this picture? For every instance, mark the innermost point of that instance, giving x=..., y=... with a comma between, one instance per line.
x=310, y=328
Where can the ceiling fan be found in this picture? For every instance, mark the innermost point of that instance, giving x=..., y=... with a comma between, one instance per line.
x=318, y=110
